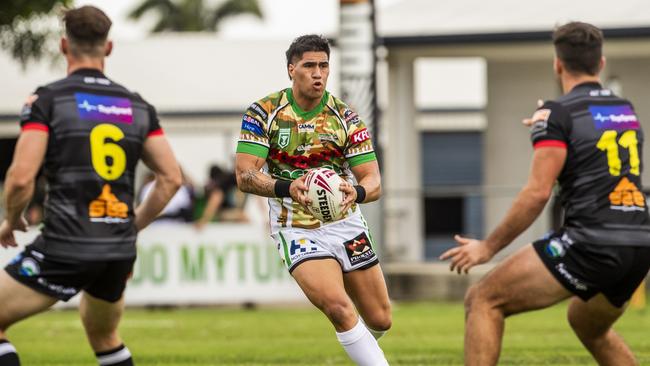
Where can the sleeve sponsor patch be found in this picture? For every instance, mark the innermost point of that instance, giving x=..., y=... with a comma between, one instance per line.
x=27, y=107
x=251, y=124
x=257, y=109
x=350, y=116
x=360, y=136
x=540, y=122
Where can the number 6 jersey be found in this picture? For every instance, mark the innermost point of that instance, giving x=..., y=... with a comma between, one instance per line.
x=96, y=131
x=601, y=190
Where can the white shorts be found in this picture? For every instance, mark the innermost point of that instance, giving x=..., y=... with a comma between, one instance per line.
x=348, y=241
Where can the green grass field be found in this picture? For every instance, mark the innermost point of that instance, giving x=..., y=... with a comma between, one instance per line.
x=423, y=334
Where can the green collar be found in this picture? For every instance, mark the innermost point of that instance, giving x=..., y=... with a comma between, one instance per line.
x=307, y=115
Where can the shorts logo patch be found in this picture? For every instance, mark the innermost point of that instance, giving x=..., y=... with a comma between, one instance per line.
x=579, y=285
x=359, y=249
x=104, y=108
x=555, y=249
x=614, y=117
x=107, y=208
x=16, y=259
x=302, y=246
x=29, y=268
x=284, y=137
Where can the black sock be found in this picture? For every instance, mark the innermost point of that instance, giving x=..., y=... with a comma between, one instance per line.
x=8, y=355
x=119, y=356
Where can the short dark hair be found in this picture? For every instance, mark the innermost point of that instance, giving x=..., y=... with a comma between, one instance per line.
x=579, y=46
x=87, y=28
x=307, y=43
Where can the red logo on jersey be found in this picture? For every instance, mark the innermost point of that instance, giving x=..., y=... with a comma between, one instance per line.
x=360, y=136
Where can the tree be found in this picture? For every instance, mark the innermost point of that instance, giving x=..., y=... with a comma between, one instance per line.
x=193, y=15
x=27, y=27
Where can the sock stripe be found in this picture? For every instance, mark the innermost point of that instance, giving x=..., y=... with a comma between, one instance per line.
x=6, y=348
x=114, y=358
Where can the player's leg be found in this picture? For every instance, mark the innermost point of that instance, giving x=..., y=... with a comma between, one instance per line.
x=18, y=302
x=101, y=309
x=592, y=322
x=367, y=289
x=322, y=282
x=520, y=283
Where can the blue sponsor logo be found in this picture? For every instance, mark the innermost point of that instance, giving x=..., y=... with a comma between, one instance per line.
x=251, y=124
x=103, y=108
x=614, y=117
x=302, y=246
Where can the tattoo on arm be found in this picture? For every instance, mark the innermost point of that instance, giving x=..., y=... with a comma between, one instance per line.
x=256, y=182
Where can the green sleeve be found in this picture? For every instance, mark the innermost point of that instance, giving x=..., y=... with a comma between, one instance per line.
x=363, y=158
x=253, y=149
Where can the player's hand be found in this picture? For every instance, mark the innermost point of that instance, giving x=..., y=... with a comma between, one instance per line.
x=350, y=195
x=468, y=253
x=7, y=238
x=298, y=191
x=529, y=121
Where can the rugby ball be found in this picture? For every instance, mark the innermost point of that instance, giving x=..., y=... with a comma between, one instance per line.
x=323, y=190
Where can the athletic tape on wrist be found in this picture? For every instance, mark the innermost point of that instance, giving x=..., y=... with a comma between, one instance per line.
x=281, y=188
x=361, y=194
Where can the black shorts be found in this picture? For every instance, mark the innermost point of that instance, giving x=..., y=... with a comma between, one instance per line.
x=587, y=269
x=63, y=279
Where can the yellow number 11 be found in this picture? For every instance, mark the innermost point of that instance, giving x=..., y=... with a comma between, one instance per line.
x=628, y=141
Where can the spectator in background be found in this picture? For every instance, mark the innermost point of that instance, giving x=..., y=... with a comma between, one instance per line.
x=180, y=208
x=223, y=200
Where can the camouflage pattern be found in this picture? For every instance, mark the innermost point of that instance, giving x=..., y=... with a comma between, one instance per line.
x=293, y=141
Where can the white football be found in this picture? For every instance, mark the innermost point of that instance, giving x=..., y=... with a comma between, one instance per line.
x=323, y=190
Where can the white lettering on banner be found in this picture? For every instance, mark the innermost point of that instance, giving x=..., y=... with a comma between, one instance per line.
x=222, y=264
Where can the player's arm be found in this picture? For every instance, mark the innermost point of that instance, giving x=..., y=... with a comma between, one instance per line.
x=368, y=188
x=529, y=203
x=19, y=183
x=250, y=179
x=159, y=157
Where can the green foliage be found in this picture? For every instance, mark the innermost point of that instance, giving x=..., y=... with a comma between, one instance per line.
x=193, y=15
x=27, y=28
x=422, y=334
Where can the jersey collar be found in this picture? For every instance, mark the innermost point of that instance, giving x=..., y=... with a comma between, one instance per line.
x=88, y=72
x=307, y=115
x=588, y=84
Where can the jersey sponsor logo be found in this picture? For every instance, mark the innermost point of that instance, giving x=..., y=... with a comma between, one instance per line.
x=360, y=136
x=600, y=93
x=614, y=117
x=540, y=122
x=259, y=110
x=104, y=108
x=306, y=127
x=304, y=147
x=327, y=137
x=284, y=137
x=94, y=80
x=107, y=208
x=576, y=283
x=359, y=249
x=351, y=116
x=627, y=197
x=297, y=173
x=251, y=124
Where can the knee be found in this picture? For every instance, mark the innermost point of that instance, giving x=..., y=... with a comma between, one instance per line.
x=585, y=329
x=379, y=320
x=340, y=312
x=477, y=298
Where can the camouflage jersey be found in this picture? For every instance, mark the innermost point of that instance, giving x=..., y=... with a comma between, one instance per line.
x=293, y=141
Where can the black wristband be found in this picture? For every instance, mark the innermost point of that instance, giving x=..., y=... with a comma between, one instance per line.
x=281, y=188
x=361, y=194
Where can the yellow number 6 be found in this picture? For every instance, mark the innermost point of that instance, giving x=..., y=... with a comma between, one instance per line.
x=101, y=150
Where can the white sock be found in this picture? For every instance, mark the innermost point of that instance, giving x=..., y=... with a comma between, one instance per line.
x=361, y=346
x=375, y=333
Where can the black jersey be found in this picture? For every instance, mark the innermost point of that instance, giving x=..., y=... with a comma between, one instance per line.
x=600, y=183
x=96, y=132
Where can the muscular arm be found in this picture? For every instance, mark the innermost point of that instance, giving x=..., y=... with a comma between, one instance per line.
x=368, y=176
x=546, y=167
x=158, y=156
x=19, y=185
x=249, y=177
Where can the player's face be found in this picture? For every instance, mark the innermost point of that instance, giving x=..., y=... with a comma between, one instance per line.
x=310, y=74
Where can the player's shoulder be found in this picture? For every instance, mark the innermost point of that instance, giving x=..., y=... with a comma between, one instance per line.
x=349, y=116
x=265, y=106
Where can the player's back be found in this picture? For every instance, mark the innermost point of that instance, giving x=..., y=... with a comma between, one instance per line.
x=601, y=179
x=96, y=133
